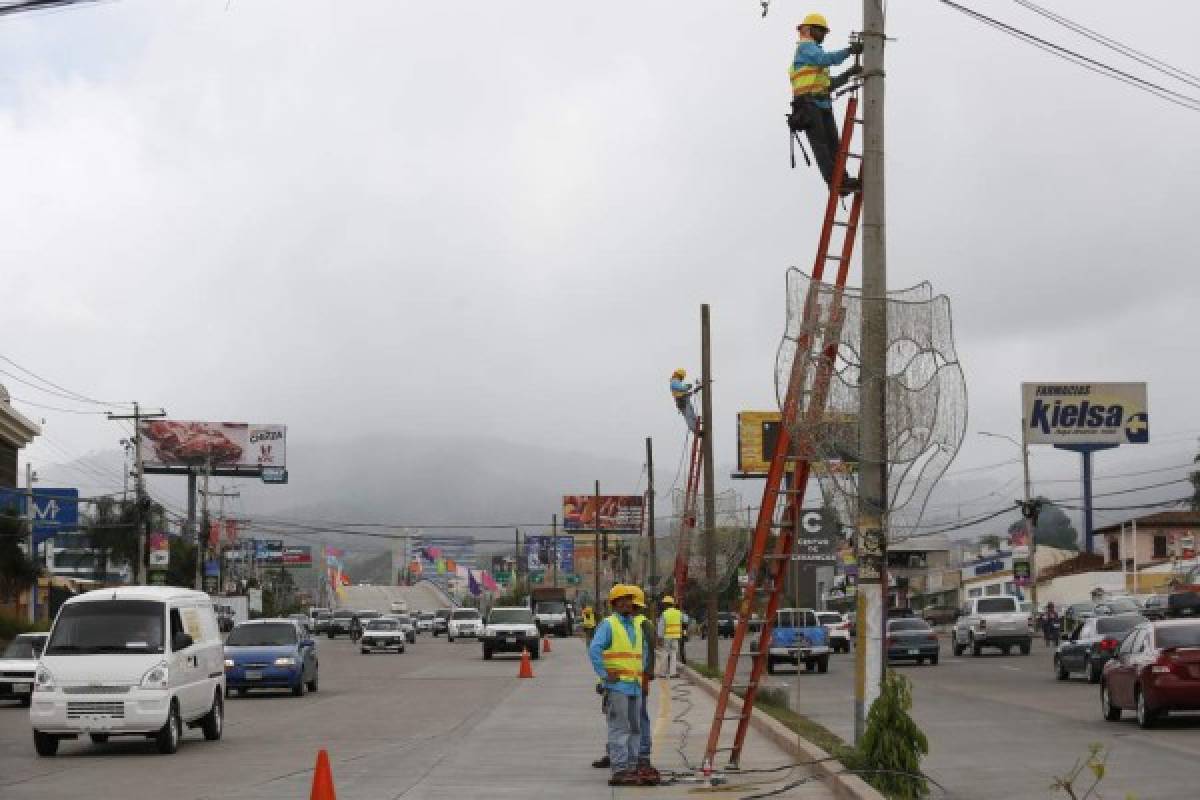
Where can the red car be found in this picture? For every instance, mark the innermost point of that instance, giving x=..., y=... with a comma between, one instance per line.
x=1156, y=670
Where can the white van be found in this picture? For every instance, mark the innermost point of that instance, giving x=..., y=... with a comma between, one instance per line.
x=130, y=661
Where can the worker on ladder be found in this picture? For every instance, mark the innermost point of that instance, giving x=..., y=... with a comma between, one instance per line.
x=682, y=392
x=812, y=108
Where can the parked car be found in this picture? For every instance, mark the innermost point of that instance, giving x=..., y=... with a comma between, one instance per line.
x=315, y=613
x=464, y=623
x=911, y=639
x=18, y=666
x=838, y=630
x=270, y=654
x=382, y=633
x=321, y=621
x=1156, y=670
x=939, y=615
x=441, y=619
x=147, y=660
x=399, y=606
x=406, y=624
x=340, y=623
x=1092, y=644
x=726, y=623
x=303, y=621
x=798, y=636
x=425, y=621
x=510, y=630
x=996, y=621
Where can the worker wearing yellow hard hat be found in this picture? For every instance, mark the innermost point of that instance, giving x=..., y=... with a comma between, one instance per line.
x=619, y=653
x=682, y=392
x=670, y=630
x=812, y=107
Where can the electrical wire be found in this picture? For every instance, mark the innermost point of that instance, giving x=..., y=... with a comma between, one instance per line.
x=69, y=394
x=1099, y=67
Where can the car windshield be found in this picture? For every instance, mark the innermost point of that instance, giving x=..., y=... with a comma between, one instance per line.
x=262, y=634
x=510, y=616
x=1118, y=624
x=403, y=619
x=1169, y=637
x=382, y=625
x=25, y=647
x=1081, y=608
x=466, y=613
x=1122, y=605
x=108, y=626
x=343, y=614
x=324, y=615
x=369, y=615
x=997, y=605
x=829, y=618
x=908, y=625
x=425, y=615
x=443, y=613
x=552, y=607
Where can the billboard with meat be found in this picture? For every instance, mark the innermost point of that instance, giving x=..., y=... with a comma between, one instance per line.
x=618, y=512
x=180, y=443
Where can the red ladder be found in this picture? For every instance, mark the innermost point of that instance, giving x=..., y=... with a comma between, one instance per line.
x=803, y=384
x=687, y=521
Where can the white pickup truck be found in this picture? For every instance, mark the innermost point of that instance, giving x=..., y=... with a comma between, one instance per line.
x=992, y=622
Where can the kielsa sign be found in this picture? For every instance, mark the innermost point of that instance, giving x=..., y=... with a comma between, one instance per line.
x=1085, y=413
x=180, y=443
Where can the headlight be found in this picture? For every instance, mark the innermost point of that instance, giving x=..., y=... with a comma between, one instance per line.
x=156, y=677
x=228, y=663
x=44, y=681
x=285, y=661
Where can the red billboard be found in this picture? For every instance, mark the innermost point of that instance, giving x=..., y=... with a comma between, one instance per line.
x=617, y=512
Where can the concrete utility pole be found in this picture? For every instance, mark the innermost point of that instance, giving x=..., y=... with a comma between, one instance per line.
x=221, y=495
x=599, y=602
x=710, y=499
x=554, y=545
x=139, y=565
x=872, y=489
x=652, y=569
x=30, y=515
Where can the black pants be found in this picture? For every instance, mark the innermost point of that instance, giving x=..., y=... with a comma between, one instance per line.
x=820, y=127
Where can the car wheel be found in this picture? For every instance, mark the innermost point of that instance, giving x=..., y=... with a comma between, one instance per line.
x=1006, y=650
x=823, y=664
x=770, y=666
x=933, y=660
x=400, y=649
x=298, y=689
x=331, y=635
x=955, y=646
x=1146, y=716
x=167, y=739
x=487, y=653
x=213, y=724
x=920, y=662
x=1111, y=712
x=98, y=738
x=46, y=744
x=1094, y=673
x=1026, y=647
x=313, y=684
x=449, y=638
x=535, y=653
x=364, y=650
x=1060, y=671
x=976, y=648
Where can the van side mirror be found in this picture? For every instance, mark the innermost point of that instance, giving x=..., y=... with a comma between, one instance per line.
x=181, y=641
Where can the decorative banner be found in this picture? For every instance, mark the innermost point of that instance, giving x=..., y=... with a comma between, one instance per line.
x=414, y=567
x=178, y=443
x=214, y=534
x=160, y=551
x=489, y=582
x=451, y=566
x=473, y=585
x=1085, y=413
x=231, y=531
x=618, y=512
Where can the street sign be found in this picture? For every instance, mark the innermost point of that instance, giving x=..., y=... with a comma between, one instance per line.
x=54, y=510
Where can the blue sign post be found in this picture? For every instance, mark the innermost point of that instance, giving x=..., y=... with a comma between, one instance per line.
x=54, y=511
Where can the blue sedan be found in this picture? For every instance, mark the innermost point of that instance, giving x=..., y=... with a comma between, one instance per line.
x=270, y=654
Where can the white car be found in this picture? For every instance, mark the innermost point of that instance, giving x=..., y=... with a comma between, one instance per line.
x=510, y=630
x=382, y=633
x=407, y=624
x=139, y=661
x=995, y=621
x=425, y=621
x=399, y=606
x=464, y=623
x=18, y=665
x=838, y=628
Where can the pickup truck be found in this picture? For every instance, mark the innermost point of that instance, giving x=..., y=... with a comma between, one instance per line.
x=992, y=622
x=549, y=606
x=798, y=635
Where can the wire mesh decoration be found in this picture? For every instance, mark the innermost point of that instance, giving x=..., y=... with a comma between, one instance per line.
x=926, y=412
x=732, y=535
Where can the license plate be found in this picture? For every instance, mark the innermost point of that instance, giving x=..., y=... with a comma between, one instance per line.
x=21, y=688
x=914, y=652
x=253, y=675
x=96, y=724
x=510, y=639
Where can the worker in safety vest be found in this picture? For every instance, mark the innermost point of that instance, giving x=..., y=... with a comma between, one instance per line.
x=619, y=654
x=670, y=630
x=589, y=623
x=812, y=109
x=682, y=392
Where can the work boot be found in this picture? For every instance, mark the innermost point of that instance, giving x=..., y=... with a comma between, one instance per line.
x=648, y=775
x=602, y=763
x=626, y=777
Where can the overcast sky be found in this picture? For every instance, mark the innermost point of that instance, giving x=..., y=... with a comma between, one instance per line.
x=501, y=218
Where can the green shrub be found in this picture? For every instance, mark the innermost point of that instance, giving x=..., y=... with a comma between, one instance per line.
x=10, y=626
x=889, y=755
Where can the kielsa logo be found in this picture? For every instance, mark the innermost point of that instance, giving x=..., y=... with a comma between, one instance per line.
x=1077, y=414
x=1137, y=429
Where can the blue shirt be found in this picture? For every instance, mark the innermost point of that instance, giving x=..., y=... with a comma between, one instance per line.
x=679, y=386
x=601, y=641
x=811, y=54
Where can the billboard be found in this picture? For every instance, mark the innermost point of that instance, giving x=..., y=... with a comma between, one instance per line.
x=758, y=435
x=1085, y=413
x=160, y=551
x=179, y=443
x=618, y=512
x=539, y=552
x=54, y=510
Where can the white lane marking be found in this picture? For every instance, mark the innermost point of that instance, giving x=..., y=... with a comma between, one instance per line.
x=1014, y=669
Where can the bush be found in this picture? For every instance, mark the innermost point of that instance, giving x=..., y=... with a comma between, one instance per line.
x=889, y=755
x=10, y=626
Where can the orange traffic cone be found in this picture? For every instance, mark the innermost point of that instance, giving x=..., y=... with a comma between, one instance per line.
x=322, y=785
x=526, y=666
x=546, y=645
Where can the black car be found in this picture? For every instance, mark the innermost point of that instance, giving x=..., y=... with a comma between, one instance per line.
x=441, y=620
x=1155, y=607
x=726, y=623
x=1118, y=605
x=911, y=639
x=1093, y=643
x=340, y=622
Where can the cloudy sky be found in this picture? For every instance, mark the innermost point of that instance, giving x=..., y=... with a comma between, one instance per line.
x=500, y=219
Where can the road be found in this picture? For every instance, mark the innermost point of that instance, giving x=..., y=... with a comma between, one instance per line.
x=421, y=597
x=1003, y=726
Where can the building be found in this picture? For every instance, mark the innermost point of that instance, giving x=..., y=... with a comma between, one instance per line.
x=16, y=431
x=1151, y=539
x=910, y=563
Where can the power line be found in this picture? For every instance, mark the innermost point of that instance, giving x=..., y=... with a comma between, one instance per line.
x=1099, y=67
x=70, y=394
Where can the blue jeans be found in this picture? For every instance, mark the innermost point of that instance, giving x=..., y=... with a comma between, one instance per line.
x=624, y=730
x=645, y=744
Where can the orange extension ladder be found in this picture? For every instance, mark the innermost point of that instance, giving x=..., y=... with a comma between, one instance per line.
x=687, y=522
x=765, y=571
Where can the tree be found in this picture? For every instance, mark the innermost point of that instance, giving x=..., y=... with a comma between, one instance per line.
x=993, y=541
x=889, y=755
x=111, y=533
x=181, y=569
x=18, y=571
x=1053, y=529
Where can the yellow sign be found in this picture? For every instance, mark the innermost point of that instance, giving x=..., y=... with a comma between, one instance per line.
x=758, y=433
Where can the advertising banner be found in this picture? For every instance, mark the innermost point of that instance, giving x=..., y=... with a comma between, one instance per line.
x=160, y=551
x=212, y=567
x=618, y=512
x=179, y=443
x=758, y=435
x=1085, y=413
x=539, y=551
x=54, y=510
x=296, y=556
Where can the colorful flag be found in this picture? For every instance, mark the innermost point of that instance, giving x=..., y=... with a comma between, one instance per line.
x=461, y=572
x=441, y=567
x=489, y=582
x=473, y=585
x=451, y=566
x=231, y=531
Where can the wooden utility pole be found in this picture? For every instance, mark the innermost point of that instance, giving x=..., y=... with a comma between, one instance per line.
x=710, y=499
x=872, y=488
x=652, y=568
x=140, y=503
x=554, y=546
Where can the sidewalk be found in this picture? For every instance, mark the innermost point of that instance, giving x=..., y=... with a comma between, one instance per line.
x=540, y=740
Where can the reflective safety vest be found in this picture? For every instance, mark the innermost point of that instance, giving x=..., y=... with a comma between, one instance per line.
x=589, y=619
x=623, y=656
x=809, y=79
x=672, y=623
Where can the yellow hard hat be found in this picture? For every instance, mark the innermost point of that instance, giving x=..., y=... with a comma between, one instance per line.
x=679, y=373
x=620, y=590
x=639, y=597
x=669, y=599
x=816, y=19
